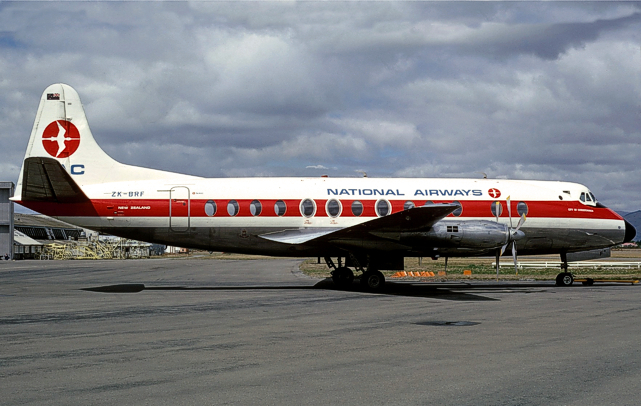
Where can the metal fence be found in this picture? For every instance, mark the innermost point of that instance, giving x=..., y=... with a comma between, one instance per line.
x=579, y=264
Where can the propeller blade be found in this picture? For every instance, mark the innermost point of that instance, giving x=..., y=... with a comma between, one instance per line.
x=509, y=210
x=503, y=248
x=497, y=211
x=498, y=256
x=521, y=221
x=516, y=267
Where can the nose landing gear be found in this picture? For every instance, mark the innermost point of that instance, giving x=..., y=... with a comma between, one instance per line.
x=565, y=278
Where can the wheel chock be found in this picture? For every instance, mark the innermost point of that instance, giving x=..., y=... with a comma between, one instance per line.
x=422, y=274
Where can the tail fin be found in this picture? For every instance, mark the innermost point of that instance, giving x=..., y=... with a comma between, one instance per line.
x=61, y=133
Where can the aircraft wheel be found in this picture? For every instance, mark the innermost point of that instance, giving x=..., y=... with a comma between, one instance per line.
x=373, y=280
x=564, y=279
x=343, y=277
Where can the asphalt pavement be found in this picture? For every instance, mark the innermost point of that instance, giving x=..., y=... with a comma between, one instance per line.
x=258, y=332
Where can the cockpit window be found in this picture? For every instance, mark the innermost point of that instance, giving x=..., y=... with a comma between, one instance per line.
x=588, y=198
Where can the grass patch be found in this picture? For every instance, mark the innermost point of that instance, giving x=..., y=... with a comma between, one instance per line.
x=482, y=268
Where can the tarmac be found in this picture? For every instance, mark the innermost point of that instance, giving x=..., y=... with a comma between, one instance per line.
x=258, y=332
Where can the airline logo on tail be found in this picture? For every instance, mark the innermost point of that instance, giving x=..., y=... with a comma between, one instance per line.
x=61, y=139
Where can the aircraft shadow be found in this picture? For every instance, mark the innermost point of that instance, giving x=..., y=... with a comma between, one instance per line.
x=443, y=291
x=411, y=290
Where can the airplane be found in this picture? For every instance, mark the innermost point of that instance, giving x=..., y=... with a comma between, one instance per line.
x=371, y=223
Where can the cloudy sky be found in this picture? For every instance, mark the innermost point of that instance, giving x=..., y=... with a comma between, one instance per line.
x=548, y=91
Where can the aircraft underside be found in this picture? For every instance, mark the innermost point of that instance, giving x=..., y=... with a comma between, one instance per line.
x=247, y=240
x=368, y=255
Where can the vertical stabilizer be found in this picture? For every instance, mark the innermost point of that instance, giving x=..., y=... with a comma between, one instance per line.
x=61, y=132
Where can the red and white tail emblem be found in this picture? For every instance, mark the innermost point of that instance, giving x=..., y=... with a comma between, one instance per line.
x=494, y=193
x=61, y=139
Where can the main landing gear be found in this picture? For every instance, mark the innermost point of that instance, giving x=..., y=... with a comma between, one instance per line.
x=342, y=277
x=565, y=278
x=371, y=279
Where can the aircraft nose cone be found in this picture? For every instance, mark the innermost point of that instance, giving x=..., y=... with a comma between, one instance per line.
x=630, y=232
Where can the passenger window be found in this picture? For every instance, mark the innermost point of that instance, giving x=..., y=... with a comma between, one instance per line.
x=333, y=208
x=382, y=208
x=357, y=208
x=210, y=208
x=496, y=207
x=280, y=208
x=233, y=208
x=522, y=209
x=307, y=208
x=256, y=208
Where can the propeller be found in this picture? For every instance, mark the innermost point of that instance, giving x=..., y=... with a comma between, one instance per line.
x=513, y=235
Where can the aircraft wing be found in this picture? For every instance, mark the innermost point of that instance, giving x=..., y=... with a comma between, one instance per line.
x=299, y=235
x=45, y=180
x=389, y=227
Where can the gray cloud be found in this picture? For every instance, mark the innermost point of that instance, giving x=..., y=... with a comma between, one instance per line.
x=516, y=90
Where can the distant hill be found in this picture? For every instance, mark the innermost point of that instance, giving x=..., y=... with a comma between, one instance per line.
x=634, y=218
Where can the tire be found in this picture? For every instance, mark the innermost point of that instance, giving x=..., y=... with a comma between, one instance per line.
x=374, y=281
x=343, y=277
x=564, y=279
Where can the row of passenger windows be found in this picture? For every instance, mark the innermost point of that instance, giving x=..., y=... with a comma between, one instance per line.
x=334, y=208
x=307, y=208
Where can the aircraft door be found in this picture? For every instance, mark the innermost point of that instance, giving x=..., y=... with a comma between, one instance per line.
x=179, y=209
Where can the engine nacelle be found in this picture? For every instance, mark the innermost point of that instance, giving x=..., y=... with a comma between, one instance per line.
x=473, y=234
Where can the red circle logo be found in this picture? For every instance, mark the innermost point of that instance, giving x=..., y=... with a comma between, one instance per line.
x=494, y=193
x=61, y=139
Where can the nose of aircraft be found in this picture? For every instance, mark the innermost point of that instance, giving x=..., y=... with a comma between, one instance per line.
x=630, y=232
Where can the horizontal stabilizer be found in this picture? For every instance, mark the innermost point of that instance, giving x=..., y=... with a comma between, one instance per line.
x=415, y=219
x=46, y=180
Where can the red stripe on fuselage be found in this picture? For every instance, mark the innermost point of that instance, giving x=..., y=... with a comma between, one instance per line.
x=160, y=208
